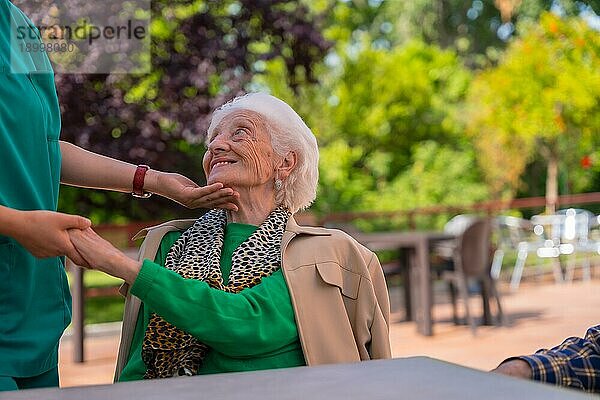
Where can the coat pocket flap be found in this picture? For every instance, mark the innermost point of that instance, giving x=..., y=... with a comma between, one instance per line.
x=347, y=281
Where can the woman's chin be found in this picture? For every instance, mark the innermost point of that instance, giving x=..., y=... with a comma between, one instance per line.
x=220, y=178
x=211, y=180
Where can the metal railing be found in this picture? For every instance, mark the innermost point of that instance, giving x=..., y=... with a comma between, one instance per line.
x=489, y=207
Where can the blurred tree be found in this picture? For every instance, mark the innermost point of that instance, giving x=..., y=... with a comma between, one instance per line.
x=438, y=175
x=371, y=111
x=543, y=98
x=203, y=53
x=373, y=107
x=387, y=101
x=477, y=29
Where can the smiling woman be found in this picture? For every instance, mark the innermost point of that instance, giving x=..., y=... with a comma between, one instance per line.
x=240, y=156
x=248, y=289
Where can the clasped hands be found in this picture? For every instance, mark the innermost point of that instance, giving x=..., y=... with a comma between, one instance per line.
x=50, y=234
x=100, y=254
x=92, y=251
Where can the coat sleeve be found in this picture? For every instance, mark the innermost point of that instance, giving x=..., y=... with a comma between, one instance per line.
x=380, y=329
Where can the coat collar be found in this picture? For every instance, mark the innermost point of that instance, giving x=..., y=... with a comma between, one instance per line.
x=293, y=227
x=174, y=225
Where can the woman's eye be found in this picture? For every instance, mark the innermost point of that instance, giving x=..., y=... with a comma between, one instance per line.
x=239, y=132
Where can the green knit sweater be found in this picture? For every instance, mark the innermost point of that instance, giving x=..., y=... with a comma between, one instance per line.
x=251, y=330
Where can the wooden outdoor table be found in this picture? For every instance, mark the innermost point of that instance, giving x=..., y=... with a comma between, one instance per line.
x=416, y=378
x=418, y=244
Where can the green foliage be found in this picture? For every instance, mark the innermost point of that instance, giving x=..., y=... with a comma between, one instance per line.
x=586, y=177
x=203, y=54
x=438, y=175
x=104, y=309
x=469, y=27
x=543, y=98
x=97, y=279
x=386, y=102
x=478, y=30
x=369, y=117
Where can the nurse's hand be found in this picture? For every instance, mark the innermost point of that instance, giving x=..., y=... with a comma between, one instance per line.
x=103, y=256
x=44, y=233
x=186, y=192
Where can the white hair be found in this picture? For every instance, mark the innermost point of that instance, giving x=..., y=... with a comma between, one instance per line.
x=288, y=133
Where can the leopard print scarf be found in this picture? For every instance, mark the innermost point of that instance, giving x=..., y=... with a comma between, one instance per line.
x=168, y=351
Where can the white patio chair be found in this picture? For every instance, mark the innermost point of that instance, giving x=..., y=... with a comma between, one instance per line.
x=519, y=235
x=575, y=240
x=566, y=233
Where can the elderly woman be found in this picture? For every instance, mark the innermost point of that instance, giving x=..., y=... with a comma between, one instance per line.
x=249, y=289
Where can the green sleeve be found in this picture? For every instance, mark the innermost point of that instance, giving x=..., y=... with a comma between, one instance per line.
x=140, y=327
x=255, y=321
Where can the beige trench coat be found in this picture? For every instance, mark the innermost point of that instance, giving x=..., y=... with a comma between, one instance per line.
x=337, y=288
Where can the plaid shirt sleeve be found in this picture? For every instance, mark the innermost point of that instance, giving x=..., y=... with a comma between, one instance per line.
x=575, y=362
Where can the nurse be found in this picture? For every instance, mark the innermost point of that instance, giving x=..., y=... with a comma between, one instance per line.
x=35, y=303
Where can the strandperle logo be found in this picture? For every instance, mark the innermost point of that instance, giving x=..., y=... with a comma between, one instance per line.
x=84, y=31
x=80, y=37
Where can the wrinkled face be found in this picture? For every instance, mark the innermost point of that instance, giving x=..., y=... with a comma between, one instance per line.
x=239, y=152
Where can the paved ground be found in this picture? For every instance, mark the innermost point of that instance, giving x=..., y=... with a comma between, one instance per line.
x=540, y=314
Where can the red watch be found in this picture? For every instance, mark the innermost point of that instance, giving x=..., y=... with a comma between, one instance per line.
x=138, y=182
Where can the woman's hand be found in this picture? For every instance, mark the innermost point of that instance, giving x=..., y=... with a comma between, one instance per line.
x=186, y=192
x=103, y=256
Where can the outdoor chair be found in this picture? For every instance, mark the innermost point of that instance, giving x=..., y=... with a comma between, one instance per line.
x=456, y=226
x=576, y=225
x=593, y=246
x=471, y=260
x=523, y=237
x=507, y=233
x=566, y=233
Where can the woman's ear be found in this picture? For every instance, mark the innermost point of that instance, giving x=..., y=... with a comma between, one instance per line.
x=287, y=165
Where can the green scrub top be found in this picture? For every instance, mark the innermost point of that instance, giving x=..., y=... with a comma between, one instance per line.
x=35, y=303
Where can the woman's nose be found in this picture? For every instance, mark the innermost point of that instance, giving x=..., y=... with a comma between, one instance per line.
x=217, y=145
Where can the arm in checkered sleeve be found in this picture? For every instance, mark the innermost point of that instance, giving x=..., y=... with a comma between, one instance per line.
x=574, y=363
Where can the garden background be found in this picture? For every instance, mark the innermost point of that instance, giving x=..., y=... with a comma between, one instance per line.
x=414, y=103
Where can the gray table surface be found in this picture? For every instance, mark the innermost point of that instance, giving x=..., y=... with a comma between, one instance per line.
x=412, y=378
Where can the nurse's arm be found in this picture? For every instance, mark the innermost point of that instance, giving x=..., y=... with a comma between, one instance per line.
x=86, y=169
x=43, y=233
